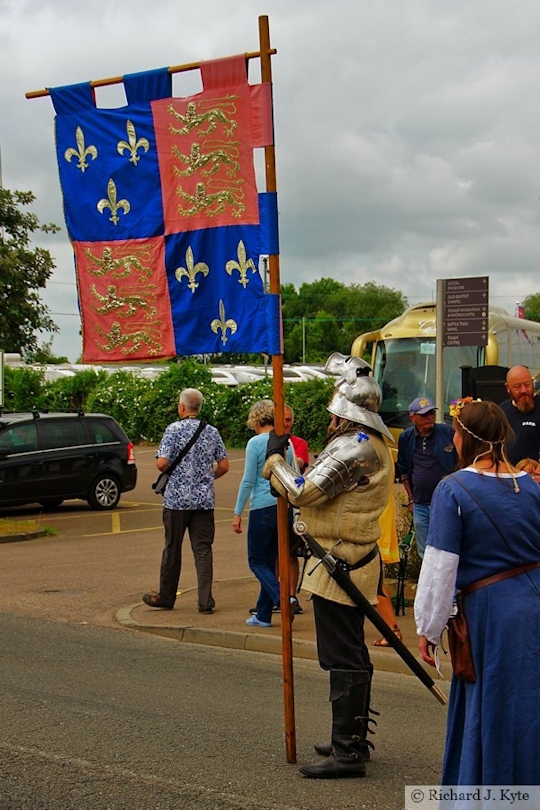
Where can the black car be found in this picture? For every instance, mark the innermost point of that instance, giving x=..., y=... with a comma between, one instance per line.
x=50, y=457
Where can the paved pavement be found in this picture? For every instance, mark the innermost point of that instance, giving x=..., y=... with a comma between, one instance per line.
x=234, y=595
x=226, y=626
x=93, y=592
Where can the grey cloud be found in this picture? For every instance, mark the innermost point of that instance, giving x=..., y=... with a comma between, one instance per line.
x=406, y=133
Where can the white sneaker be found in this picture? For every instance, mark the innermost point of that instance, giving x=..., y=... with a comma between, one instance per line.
x=253, y=621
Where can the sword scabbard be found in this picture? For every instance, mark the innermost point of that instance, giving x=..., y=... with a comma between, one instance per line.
x=344, y=581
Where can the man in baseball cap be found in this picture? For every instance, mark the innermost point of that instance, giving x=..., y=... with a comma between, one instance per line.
x=426, y=453
x=422, y=406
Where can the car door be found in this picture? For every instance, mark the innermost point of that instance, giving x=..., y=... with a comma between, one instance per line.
x=67, y=457
x=21, y=464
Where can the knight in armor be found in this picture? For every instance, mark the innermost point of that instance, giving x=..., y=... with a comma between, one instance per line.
x=341, y=497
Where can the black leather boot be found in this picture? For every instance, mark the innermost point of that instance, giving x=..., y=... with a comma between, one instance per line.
x=349, y=691
x=325, y=749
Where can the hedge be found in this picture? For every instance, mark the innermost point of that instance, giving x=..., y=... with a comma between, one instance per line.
x=145, y=407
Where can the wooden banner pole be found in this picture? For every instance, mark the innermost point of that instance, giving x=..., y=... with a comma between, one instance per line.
x=265, y=53
x=277, y=368
x=120, y=79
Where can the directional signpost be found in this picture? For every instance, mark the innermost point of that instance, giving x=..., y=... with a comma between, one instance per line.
x=465, y=311
x=462, y=320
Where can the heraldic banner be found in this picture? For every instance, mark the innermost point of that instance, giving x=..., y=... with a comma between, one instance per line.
x=164, y=216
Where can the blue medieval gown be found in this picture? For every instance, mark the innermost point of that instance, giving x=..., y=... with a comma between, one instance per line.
x=493, y=728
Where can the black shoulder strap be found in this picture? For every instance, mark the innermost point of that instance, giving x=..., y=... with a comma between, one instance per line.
x=186, y=449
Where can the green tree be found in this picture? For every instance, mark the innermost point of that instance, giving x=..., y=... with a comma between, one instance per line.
x=322, y=337
x=44, y=354
x=531, y=305
x=24, y=270
x=326, y=315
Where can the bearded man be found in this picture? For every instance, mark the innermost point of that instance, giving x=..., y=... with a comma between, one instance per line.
x=523, y=412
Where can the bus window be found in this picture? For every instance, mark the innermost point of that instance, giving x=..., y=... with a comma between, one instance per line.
x=527, y=349
x=504, y=356
x=405, y=369
x=454, y=357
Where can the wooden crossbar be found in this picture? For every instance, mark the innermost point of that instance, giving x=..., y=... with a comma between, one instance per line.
x=120, y=79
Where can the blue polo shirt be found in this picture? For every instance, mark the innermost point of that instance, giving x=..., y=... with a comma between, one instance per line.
x=426, y=470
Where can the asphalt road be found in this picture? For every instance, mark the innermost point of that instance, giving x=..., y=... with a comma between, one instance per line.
x=97, y=717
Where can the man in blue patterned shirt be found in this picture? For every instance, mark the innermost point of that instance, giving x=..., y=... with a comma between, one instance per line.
x=188, y=501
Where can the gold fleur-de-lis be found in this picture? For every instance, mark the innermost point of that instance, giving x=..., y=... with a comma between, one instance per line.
x=191, y=270
x=132, y=144
x=222, y=324
x=113, y=203
x=81, y=152
x=241, y=265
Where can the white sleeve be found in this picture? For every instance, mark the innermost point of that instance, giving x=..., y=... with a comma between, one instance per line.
x=435, y=595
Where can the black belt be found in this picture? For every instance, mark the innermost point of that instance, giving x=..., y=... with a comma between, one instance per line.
x=360, y=564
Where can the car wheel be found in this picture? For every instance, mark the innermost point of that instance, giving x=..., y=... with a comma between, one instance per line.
x=51, y=503
x=104, y=493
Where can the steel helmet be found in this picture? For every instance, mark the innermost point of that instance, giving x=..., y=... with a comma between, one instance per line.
x=357, y=396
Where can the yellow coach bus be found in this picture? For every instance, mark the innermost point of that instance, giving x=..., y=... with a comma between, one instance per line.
x=402, y=354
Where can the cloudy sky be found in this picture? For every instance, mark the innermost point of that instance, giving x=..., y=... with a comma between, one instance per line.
x=407, y=131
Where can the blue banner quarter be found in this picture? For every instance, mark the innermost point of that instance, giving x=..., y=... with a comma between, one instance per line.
x=274, y=324
x=216, y=291
x=269, y=223
x=148, y=86
x=109, y=172
x=165, y=218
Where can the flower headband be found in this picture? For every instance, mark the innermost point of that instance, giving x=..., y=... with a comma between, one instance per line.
x=455, y=410
x=457, y=404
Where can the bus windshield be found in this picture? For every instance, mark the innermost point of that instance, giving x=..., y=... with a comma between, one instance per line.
x=405, y=369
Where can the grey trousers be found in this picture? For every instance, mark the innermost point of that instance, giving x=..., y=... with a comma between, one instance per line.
x=200, y=526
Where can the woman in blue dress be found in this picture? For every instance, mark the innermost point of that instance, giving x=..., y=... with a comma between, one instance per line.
x=485, y=522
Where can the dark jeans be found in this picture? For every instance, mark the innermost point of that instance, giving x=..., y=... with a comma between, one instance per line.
x=200, y=526
x=262, y=541
x=340, y=636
